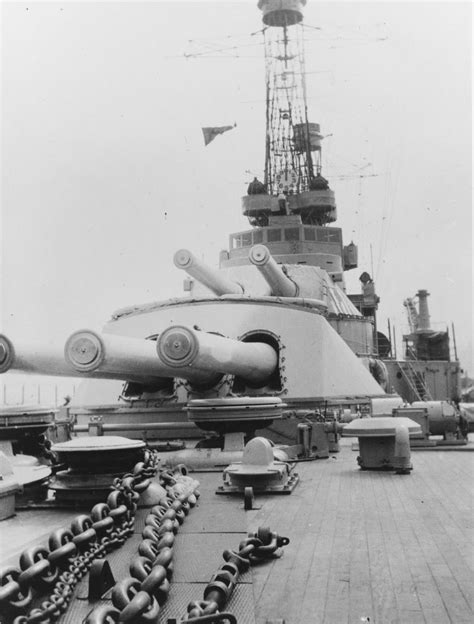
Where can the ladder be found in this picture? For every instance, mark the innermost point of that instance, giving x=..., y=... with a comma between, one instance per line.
x=415, y=381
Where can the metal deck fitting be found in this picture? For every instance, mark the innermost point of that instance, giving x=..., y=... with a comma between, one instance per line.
x=259, y=471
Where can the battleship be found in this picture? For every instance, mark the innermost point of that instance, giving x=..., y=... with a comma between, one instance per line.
x=253, y=450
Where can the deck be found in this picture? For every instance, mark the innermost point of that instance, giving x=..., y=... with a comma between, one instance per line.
x=365, y=546
x=372, y=546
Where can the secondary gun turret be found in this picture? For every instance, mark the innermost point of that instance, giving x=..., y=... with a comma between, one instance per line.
x=210, y=277
x=280, y=284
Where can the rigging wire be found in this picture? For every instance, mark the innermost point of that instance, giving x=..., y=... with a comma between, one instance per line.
x=223, y=49
x=322, y=35
x=384, y=232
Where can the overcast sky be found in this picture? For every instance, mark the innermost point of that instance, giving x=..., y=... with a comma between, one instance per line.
x=105, y=173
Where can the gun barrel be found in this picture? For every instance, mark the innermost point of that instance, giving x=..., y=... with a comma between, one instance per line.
x=119, y=357
x=280, y=284
x=185, y=349
x=38, y=359
x=210, y=277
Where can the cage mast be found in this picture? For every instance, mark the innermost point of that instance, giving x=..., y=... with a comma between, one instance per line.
x=293, y=144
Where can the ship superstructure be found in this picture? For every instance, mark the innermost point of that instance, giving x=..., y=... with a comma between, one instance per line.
x=274, y=320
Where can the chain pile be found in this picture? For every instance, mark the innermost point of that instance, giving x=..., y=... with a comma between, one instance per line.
x=257, y=547
x=139, y=597
x=47, y=576
x=54, y=572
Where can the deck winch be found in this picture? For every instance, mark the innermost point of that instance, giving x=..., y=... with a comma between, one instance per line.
x=436, y=418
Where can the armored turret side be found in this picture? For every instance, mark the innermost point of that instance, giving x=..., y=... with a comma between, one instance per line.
x=314, y=363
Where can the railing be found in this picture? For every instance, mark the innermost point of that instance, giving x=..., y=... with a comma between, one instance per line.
x=36, y=393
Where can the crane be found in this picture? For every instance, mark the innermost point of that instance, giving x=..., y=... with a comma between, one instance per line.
x=412, y=314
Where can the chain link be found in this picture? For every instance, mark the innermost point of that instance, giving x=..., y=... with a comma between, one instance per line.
x=263, y=544
x=139, y=597
x=53, y=572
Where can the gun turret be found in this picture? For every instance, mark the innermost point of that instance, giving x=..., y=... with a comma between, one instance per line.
x=120, y=357
x=280, y=284
x=210, y=277
x=185, y=350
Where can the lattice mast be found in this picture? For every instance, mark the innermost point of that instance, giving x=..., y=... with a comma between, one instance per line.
x=288, y=158
x=293, y=144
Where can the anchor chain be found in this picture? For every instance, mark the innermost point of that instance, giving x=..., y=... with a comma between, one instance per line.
x=257, y=547
x=53, y=572
x=139, y=597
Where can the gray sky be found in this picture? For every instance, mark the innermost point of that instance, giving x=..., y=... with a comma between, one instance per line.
x=105, y=173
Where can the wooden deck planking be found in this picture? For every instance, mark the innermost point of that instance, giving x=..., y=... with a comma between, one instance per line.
x=454, y=550
x=410, y=531
x=437, y=548
x=324, y=508
x=297, y=583
x=360, y=599
x=368, y=547
x=336, y=609
x=399, y=538
x=271, y=581
x=450, y=493
x=302, y=584
x=455, y=506
x=364, y=544
x=457, y=469
x=457, y=607
x=432, y=605
x=379, y=522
